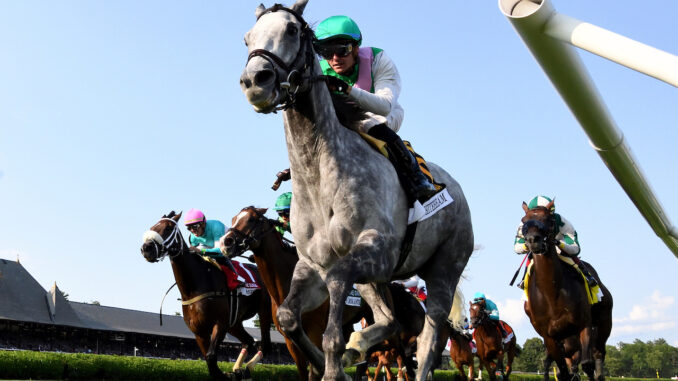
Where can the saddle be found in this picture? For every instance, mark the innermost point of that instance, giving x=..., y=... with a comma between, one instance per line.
x=242, y=280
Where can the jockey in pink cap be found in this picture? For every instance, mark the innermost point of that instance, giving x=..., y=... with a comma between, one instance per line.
x=205, y=235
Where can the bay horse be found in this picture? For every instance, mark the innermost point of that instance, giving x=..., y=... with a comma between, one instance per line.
x=461, y=353
x=252, y=230
x=209, y=308
x=349, y=214
x=557, y=301
x=490, y=343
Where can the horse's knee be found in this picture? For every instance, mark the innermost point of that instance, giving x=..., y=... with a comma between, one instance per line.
x=288, y=320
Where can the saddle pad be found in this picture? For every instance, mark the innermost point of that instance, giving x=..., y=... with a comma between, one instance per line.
x=508, y=330
x=353, y=299
x=244, y=280
x=594, y=295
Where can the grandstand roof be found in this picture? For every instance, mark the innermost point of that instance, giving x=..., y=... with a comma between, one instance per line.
x=23, y=299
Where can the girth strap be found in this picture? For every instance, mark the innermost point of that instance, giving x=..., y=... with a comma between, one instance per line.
x=203, y=296
x=406, y=246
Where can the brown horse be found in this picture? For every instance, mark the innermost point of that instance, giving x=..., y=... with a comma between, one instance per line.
x=460, y=352
x=210, y=309
x=558, y=304
x=489, y=342
x=276, y=261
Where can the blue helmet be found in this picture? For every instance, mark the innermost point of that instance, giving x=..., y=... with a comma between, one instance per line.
x=478, y=296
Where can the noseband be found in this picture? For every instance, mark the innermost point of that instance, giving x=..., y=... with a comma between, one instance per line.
x=168, y=245
x=546, y=230
x=245, y=241
x=295, y=73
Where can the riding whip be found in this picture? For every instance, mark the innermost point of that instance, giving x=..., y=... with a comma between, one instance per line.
x=163, y=301
x=517, y=271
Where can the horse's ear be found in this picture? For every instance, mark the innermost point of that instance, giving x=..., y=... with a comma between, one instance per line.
x=525, y=208
x=177, y=217
x=171, y=214
x=299, y=6
x=262, y=210
x=259, y=11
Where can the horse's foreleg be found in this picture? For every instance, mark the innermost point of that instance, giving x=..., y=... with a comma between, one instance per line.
x=366, y=261
x=307, y=292
x=379, y=299
x=265, y=321
x=239, y=332
x=553, y=350
x=510, y=355
x=587, y=364
x=547, y=366
x=204, y=344
x=208, y=346
x=441, y=282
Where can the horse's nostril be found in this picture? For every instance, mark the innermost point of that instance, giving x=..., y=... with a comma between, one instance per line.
x=264, y=77
x=245, y=82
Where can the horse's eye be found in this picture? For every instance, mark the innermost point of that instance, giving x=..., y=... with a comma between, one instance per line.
x=292, y=30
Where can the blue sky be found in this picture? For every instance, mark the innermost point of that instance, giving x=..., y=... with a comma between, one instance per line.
x=114, y=113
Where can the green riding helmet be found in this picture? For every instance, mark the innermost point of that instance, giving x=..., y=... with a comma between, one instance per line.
x=540, y=201
x=338, y=27
x=283, y=202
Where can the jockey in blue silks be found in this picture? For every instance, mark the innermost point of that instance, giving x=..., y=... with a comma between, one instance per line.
x=205, y=236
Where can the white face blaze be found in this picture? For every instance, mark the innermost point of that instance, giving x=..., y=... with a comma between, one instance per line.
x=152, y=235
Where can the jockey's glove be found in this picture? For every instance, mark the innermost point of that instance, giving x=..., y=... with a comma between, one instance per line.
x=337, y=85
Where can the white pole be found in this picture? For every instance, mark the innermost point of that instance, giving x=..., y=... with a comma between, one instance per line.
x=531, y=19
x=617, y=48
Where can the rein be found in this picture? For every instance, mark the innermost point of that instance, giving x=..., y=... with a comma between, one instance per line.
x=295, y=74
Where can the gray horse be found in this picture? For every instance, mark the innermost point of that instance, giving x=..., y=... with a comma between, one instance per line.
x=349, y=214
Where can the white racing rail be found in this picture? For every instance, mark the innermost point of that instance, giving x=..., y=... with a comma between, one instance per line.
x=548, y=34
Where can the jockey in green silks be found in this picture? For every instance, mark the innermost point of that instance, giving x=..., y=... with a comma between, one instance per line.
x=368, y=77
x=567, y=242
x=282, y=207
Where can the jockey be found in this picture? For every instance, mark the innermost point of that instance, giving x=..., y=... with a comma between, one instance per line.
x=415, y=286
x=491, y=310
x=368, y=77
x=567, y=242
x=205, y=235
x=282, y=207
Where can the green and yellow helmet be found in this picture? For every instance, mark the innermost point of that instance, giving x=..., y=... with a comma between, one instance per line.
x=338, y=27
x=283, y=202
x=541, y=201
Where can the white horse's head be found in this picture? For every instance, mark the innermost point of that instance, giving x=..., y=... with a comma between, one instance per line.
x=280, y=56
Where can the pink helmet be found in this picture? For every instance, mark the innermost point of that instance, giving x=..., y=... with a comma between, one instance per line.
x=193, y=216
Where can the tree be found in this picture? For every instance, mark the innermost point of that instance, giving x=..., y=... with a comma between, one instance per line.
x=258, y=324
x=531, y=359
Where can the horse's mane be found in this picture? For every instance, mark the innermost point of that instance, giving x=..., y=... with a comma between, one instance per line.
x=349, y=113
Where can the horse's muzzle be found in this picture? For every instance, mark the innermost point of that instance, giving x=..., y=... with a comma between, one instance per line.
x=150, y=251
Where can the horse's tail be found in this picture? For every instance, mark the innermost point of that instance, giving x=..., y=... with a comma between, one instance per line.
x=456, y=316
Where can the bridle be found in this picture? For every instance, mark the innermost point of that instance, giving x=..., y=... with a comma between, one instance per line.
x=245, y=241
x=547, y=230
x=296, y=74
x=167, y=246
x=480, y=317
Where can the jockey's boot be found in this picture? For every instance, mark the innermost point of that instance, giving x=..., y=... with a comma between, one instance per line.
x=414, y=181
x=521, y=284
x=584, y=269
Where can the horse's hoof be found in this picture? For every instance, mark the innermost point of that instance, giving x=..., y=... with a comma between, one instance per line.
x=350, y=357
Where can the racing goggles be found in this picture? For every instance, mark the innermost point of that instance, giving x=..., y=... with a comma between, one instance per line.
x=329, y=51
